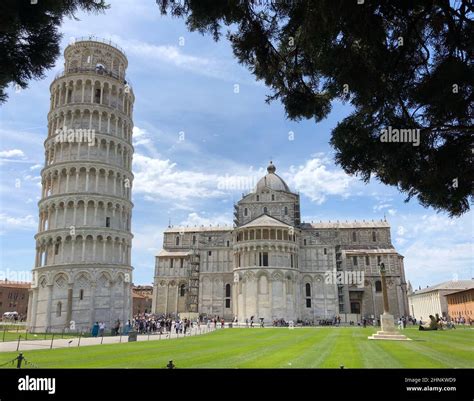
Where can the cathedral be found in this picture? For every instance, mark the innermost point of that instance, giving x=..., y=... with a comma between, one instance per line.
x=272, y=265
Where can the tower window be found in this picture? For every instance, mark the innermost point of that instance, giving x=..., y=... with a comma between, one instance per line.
x=209, y=253
x=97, y=95
x=181, y=263
x=291, y=260
x=59, y=307
x=367, y=261
x=374, y=236
x=304, y=241
x=171, y=263
x=273, y=197
x=286, y=211
x=265, y=210
x=56, y=249
x=263, y=259
x=81, y=295
x=246, y=212
x=258, y=198
x=227, y=290
x=194, y=240
x=182, y=290
x=228, y=244
x=177, y=240
x=354, y=236
x=325, y=251
x=227, y=303
x=354, y=260
x=308, y=302
x=107, y=221
x=379, y=259
x=378, y=286
x=209, y=239
x=308, y=289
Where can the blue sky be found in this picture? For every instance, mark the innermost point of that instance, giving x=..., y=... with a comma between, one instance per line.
x=200, y=121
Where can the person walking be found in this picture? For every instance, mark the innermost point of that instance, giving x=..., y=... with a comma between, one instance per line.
x=101, y=329
x=95, y=329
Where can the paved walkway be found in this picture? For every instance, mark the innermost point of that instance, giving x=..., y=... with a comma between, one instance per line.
x=26, y=345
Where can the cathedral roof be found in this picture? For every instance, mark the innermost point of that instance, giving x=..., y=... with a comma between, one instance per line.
x=346, y=224
x=165, y=253
x=192, y=229
x=271, y=181
x=265, y=221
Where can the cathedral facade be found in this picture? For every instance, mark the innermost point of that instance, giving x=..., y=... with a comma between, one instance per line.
x=271, y=265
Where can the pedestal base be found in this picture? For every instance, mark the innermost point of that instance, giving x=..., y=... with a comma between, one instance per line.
x=388, y=331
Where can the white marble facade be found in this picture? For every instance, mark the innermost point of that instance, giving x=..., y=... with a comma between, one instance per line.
x=83, y=269
x=271, y=265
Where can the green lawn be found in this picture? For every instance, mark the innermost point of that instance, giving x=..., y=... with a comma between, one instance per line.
x=13, y=335
x=273, y=348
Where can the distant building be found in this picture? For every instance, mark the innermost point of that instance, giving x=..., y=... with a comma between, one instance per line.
x=432, y=300
x=142, y=296
x=461, y=304
x=14, y=297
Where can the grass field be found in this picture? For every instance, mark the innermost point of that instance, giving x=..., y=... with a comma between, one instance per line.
x=273, y=348
x=13, y=336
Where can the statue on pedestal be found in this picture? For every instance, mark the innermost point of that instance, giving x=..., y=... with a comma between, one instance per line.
x=387, y=322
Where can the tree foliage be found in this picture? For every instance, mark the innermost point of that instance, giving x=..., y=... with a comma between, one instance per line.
x=404, y=64
x=29, y=37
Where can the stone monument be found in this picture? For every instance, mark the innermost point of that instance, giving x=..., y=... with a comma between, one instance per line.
x=388, y=331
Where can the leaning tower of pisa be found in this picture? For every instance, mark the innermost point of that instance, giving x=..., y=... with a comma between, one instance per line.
x=83, y=269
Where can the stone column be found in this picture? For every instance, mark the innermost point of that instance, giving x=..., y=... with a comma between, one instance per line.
x=92, y=305
x=384, y=291
x=69, y=305
x=48, y=306
x=34, y=307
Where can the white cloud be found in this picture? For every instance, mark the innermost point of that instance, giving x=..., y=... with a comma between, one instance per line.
x=12, y=153
x=8, y=222
x=423, y=261
x=435, y=247
x=316, y=181
x=147, y=238
x=156, y=179
x=160, y=179
x=176, y=57
x=194, y=219
x=381, y=206
x=36, y=167
x=140, y=137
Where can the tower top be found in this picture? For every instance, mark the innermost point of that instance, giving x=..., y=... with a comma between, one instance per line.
x=95, y=55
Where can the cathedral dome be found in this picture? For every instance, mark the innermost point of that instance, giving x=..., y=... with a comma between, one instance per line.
x=271, y=181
